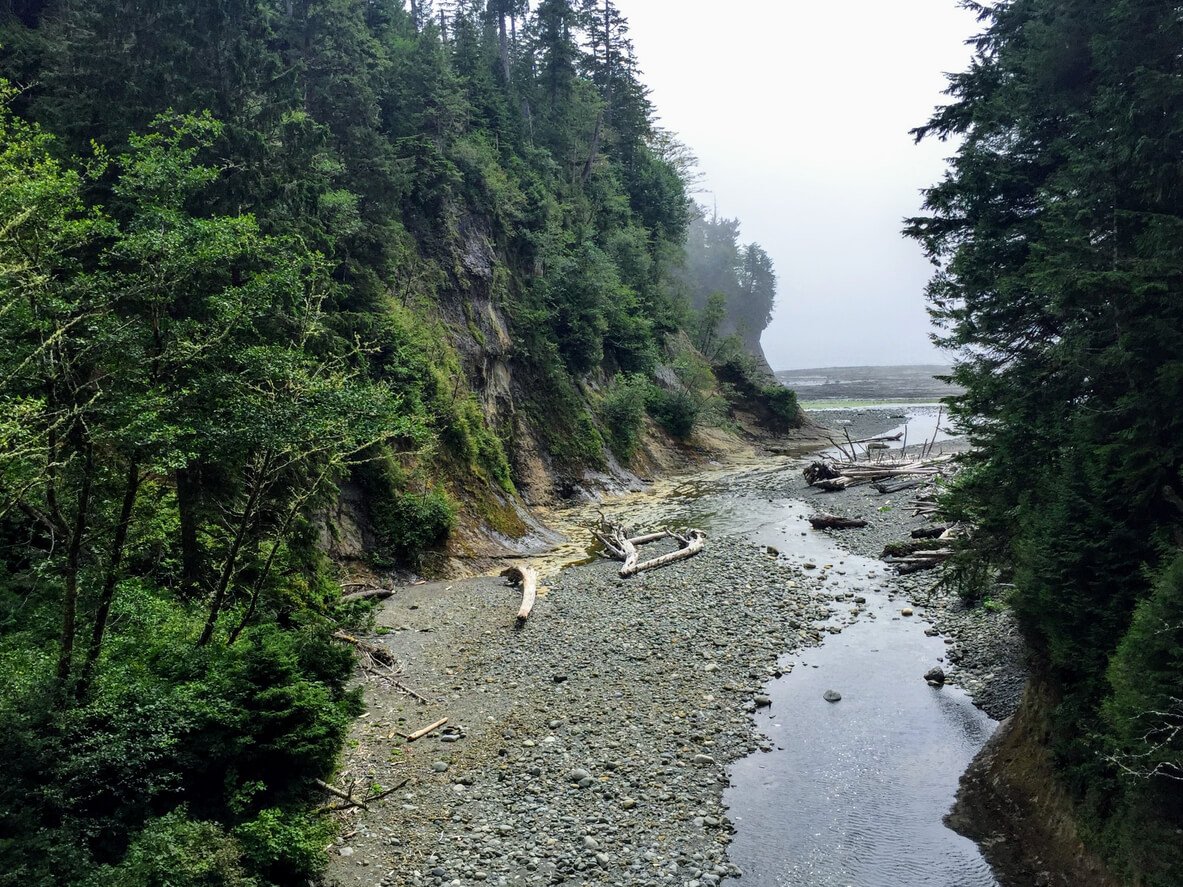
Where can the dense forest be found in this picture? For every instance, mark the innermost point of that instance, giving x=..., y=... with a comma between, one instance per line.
x=252, y=251
x=1058, y=233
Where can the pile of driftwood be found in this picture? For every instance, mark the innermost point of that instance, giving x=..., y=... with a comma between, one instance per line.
x=930, y=547
x=620, y=544
x=888, y=475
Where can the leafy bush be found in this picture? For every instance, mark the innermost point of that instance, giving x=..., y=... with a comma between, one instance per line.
x=288, y=848
x=622, y=413
x=676, y=411
x=175, y=851
x=409, y=523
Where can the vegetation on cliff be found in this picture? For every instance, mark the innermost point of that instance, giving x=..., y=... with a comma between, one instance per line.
x=1057, y=235
x=250, y=251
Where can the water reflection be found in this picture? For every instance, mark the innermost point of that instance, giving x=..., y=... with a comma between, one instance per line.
x=856, y=791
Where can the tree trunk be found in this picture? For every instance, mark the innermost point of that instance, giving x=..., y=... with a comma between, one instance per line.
x=73, y=566
x=503, y=46
x=833, y=522
x=528, y=577
x=188, y=498
x=594, y=150
x=692, y=544
x=607, y=58
x=107, y=596
x=248, y=513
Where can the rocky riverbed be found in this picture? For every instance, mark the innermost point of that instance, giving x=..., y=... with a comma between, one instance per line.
x=589, y=746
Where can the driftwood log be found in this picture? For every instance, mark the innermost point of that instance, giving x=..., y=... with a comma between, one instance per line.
x=620, y=545
x=834, y=522
x=375, y=652
x=368, y=594
x=932, y=532
x=423, y=731
x=833, y=475
x=692, y=543
x=527, y=577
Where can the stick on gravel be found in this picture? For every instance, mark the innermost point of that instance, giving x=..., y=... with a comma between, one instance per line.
x=423, y=731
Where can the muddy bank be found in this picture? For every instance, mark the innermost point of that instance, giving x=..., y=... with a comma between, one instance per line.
x=1010, y=804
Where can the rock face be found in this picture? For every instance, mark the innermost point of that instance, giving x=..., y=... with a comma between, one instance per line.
x=1010, y=803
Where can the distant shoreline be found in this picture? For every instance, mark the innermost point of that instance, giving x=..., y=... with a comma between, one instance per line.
x=868, y=387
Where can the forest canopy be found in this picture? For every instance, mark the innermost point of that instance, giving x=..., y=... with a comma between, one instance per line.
x=253, y=251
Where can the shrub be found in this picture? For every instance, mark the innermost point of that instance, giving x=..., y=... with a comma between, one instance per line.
x=175, y=851
x=622, y=413
x=288, y=848
x=675, y=411
x=409, y=523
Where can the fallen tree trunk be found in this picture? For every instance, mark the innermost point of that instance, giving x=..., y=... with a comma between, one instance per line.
x=378, y=654
x=692, y=543
x=835, y=484
x=528, y=578
x=369, y=594
x=886, y=488
x=618, y=544
x=932, y=532
x=883, y=438
x=834, y=522
x=650, y=537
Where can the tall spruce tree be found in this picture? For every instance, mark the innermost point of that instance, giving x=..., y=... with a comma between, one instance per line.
x=1057, y=234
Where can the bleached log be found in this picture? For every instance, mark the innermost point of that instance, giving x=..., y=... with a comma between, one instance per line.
x=423, y=731
x=527, y=577
x=650, y=537
x=692, y=543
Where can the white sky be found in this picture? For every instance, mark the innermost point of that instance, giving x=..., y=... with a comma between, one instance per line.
x=799, y=113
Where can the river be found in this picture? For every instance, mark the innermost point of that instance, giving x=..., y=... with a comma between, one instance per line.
x=854, y=792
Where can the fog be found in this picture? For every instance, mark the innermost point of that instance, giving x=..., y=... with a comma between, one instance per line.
x=799, y=114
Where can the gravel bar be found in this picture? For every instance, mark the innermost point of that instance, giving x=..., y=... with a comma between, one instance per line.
x=589, y=746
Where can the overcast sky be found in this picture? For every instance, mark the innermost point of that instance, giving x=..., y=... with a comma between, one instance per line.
x=799, y=113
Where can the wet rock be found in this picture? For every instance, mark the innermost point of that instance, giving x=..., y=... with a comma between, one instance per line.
x=935, y=676
x=832, y=696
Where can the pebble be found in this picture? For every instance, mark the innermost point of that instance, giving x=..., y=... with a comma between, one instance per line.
x=832, y=696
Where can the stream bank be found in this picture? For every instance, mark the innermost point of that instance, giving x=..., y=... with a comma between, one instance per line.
x=589, y=747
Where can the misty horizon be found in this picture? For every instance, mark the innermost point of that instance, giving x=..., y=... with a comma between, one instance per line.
x=819, y=168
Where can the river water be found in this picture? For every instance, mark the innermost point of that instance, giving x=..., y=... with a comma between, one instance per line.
x=853, y=793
